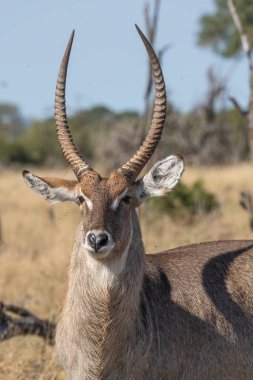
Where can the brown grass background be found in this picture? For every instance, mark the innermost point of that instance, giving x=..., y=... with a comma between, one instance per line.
x=36, y=250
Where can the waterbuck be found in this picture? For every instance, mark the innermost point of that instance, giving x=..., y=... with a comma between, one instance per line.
x=181, y=314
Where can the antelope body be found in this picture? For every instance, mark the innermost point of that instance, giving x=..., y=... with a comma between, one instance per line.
x=180, y=314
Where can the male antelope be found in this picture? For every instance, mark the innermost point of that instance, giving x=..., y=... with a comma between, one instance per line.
x=181, y=314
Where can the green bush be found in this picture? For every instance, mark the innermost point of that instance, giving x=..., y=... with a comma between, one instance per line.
x=186, y=200
x=14, y=152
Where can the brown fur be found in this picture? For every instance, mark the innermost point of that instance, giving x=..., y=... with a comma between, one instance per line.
x=181, y=314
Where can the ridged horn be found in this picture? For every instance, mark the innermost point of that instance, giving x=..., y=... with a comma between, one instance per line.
x=68, y=148
x=134, y=166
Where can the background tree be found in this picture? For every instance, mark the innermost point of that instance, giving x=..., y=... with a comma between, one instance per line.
x=11, y=121
x=11, y=128
x=229, y=32
x=218, y=31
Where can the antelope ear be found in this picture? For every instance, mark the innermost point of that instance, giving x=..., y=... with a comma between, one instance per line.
x=160, y=180
x=52, y=189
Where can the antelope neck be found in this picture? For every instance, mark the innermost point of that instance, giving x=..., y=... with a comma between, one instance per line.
x=102, y=304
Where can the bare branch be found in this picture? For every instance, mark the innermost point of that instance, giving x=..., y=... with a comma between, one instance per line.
x=147, y=19
x=155, y=21
x=243, y=35
x=162, y=51
x=216, y=87
x=151, y=33
x=247, y=203
x=15, y=320
x=243, y=112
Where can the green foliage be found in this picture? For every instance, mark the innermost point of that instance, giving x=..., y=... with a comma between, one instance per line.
x=127, y=115
x=107, y=139
x=40, y=142
x=14, y=152
x=218, y=31
x=186, y=200
x=97, y=113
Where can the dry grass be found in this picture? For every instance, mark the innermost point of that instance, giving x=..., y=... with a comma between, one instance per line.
x=34, y=257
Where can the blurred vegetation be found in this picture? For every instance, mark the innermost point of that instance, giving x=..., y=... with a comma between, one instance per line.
x=108, y=138
x=218, y=31
x=194, y=199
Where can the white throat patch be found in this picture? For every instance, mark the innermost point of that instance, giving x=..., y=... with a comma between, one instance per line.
x=106, y=273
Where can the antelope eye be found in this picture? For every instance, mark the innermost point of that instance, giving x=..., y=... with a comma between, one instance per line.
x=126, y=199
x=80, y=199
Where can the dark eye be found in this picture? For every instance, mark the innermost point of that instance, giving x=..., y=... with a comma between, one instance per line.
x=126, y=200
x=80, y=199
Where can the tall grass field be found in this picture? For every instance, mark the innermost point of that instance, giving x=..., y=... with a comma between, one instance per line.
x=36, y=247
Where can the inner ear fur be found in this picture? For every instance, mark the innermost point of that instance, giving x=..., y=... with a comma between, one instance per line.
x=160, y=180
x=52, y=189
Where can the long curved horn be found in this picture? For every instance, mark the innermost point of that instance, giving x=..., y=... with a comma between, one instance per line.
x=68, y=148
x=134, y=166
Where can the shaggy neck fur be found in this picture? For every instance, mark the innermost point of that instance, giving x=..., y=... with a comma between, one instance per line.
x=100, y=317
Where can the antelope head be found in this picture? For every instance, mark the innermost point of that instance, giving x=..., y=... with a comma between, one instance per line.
x=108, y=204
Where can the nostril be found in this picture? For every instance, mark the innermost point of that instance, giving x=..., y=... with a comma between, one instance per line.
x=97, y=241
x=102, y=240
x=92, y=240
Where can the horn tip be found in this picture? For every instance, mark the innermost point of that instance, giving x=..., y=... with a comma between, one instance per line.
x=25, y=172
x=142, y=35
x=72, y=35
x=138, y=29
